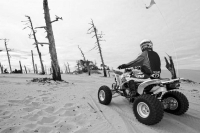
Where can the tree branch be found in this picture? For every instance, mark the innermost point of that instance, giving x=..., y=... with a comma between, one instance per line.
x=57, y=18
x=41, y=43
x=41, y=27
x=26, y=27
x=82, y=53
x=93, y=48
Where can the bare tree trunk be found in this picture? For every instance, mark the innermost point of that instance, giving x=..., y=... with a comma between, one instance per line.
x=36, y=70
x=33, y=61
x=88, y=67
x=52, y=49
x=45, y=69
x=104, y=70
x=25, y=69
x=1, y=68
x=8, y=56
x=50, y=71
x=109, y=73
x=20, y=67
x=68, y=67
x=66, y=71
x=78, y=66
x=36, y=42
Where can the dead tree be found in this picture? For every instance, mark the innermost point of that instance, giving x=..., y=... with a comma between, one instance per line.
x=20, y=67
x=52, y=49
x=78, y=65
x=98, y=38
x=66, y=70
x=88, y=66
x=82, y=53
x=5, y=41
x=36, y=70
x=33, y=61
x=25, y=69
x=85, y=61
x=68, y=67
x=45, y=69
x=50, y=71
x=1, y=68
x=30, y=25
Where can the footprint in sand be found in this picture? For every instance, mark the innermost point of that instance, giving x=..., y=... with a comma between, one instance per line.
x=70, y=113
x=81, y=130
x=47, y=100
x=50, y=109
x=31, y=126
x=80, y=119
x=16, y=101
x=43, y=129
x=29, y=109
x=3, y=106
x=45, y=94
x=64, y=127
x=34, y=117
x=5, y=114
x=47, y=120
x=13, y=129
x=67, y=105
x=37, y=105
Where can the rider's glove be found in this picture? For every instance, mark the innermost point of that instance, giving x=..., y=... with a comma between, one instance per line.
x=122, y=66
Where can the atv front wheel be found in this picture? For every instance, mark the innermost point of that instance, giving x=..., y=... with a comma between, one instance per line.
x=175, y=102
x=148, y=110
x=104, y=95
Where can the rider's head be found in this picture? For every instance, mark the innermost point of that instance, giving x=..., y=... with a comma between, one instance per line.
x=146, y=45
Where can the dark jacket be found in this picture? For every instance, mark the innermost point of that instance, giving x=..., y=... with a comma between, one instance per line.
x=149, y=61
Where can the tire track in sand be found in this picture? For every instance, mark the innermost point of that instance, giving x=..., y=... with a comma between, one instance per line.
x=106, y=124
x=169, y=124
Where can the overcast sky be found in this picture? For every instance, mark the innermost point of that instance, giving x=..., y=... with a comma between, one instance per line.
x=172, y=25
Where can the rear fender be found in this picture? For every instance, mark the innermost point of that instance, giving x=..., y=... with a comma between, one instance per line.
x=158, y=89
x=147, y=83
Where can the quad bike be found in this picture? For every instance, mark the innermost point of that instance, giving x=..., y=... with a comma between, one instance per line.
x=153, y=97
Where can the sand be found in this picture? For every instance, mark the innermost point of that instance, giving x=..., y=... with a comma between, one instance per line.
x=73, y=107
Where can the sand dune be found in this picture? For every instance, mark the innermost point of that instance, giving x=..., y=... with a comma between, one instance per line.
x=73, y=107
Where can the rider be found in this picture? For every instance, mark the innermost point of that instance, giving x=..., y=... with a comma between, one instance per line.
x=148, y=61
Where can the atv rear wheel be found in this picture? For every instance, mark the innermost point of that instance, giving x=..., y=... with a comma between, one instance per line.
x=104, y=95
x=148, y=110
x=175, y=102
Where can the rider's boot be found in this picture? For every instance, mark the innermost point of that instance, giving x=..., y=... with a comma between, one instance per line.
x=132, y=87
x=123, y=89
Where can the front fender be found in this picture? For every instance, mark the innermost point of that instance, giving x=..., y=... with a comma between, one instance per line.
x=147, y=83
